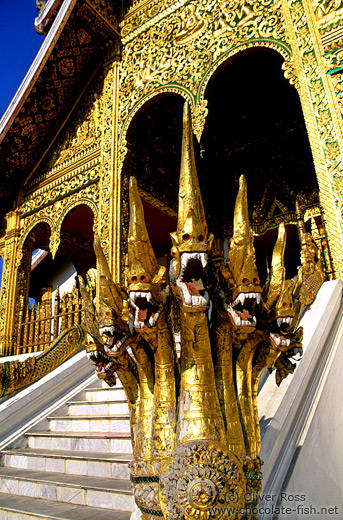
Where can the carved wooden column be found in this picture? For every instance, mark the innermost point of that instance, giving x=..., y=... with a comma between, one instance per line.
x=322, y=118
x=110, y=184
x=9, y=284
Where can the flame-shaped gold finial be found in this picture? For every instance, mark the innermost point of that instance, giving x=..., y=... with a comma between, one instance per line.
x=278, y=271
x=300, y=223
x=143, y=266
x=241, y=259
x=192, y=232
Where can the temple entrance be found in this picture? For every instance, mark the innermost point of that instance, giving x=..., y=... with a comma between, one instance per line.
x=50, y=301
x=254, y=127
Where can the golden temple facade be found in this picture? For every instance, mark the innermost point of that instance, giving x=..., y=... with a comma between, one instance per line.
x=247, y=97
x=103, y=101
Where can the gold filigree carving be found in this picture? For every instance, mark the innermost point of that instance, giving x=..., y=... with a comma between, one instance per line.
x=107, y=158
x=324, y=131
x=157, y=62
x=291, y=73
x=121, y=155
x=327, y=12
x=199, y=114
x=87, y=134
x=191, y=25
x=54, y=214
x=54, y=243
x=63, y=186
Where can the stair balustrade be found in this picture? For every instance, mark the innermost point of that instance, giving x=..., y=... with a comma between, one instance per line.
x=42, y=322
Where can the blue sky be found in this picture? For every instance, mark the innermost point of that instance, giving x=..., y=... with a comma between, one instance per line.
x=19, y=44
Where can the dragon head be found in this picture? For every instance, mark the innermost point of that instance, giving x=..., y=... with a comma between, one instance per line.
x=191, y=241
x=277, y=302
x=241, y=292
x=147, y=284
x=107, y=328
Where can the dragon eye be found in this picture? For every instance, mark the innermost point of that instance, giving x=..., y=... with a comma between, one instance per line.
x=186, y=237
x=134, y=278
x=200, y=238
x=143, y=278
x=245, y=281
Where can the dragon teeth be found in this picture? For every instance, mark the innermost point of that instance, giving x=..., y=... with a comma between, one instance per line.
x=276, y=339
x=288, y=320
x=110, y=329
x=241, y=298
x=238, y=320
x=244, y=296
x=185, y=257
x=280, y=342
x=190, y=300
x=147, y=295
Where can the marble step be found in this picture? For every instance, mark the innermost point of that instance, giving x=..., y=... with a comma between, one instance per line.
x=69, y=462
x=87, y=491
x=23, y=508
x=100, y=423
x=93, y=442
x=76, y=408
x=104, y=394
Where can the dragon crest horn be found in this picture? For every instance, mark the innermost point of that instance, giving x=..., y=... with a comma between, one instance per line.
x=241, y=259
x=300, y=223
x=192, y=228
x=104, y=268
x=278, y=271
x=143, y=265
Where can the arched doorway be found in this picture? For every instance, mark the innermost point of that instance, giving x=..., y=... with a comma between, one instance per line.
x=49, y=302
x=153, y=157
x=255, y=127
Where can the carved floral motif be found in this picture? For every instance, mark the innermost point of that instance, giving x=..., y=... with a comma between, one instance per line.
x=180, y=51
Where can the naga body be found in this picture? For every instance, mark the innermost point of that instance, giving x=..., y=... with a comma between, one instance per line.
x=194, y=420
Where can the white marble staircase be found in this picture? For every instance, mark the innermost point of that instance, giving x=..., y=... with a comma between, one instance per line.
x=73, y=464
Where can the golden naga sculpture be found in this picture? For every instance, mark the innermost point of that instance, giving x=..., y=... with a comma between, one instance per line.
x=194, y=422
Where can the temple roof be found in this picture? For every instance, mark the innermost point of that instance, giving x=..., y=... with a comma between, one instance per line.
x=76, y=44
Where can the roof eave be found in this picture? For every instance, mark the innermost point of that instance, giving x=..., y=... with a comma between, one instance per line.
x=34, y=71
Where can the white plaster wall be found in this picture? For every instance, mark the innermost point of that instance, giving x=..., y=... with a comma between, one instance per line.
x=64, y=278
x=302, y=422
x=316, y=472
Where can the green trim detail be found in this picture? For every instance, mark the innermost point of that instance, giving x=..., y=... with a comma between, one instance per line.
x=251, y=474
x=153, y=512
x=153, y=478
